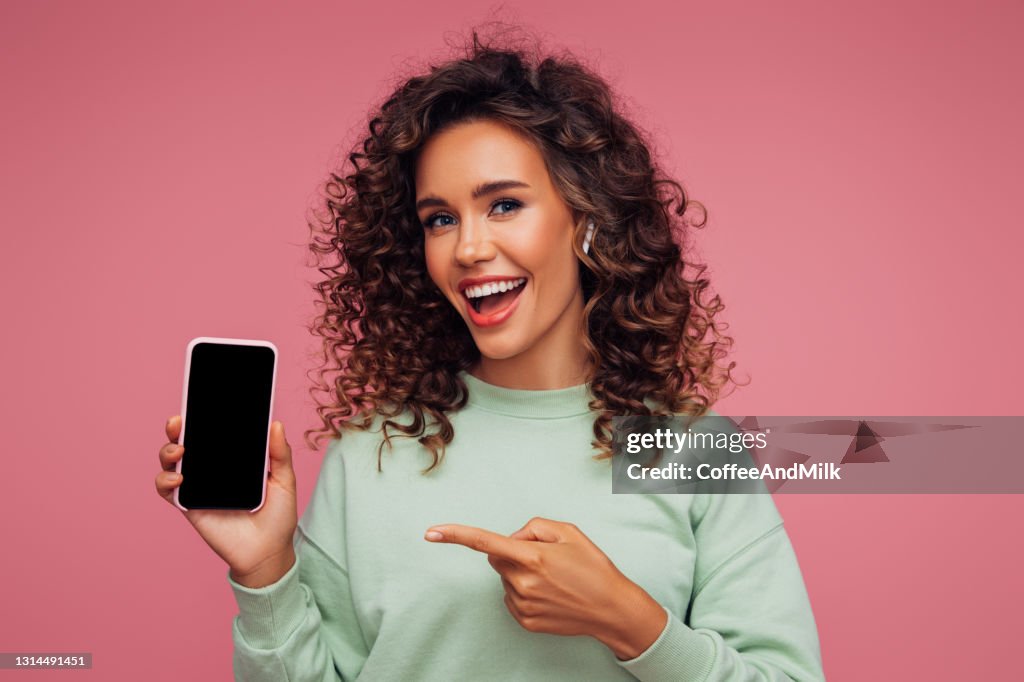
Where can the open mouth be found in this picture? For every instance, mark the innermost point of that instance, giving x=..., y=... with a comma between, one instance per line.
x=494, y=296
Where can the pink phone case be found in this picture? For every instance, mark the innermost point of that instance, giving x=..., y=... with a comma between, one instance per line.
x=184, y=403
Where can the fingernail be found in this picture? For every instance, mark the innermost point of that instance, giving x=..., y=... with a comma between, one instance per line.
x=434, y=535
x=174, y=477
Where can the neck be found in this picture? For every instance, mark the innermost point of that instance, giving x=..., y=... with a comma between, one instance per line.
x=536, y=377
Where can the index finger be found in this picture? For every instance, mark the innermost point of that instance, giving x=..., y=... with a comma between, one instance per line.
x=481, y=540
x=173, y=428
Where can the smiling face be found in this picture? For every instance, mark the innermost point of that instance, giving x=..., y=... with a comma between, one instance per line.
x=491, y=213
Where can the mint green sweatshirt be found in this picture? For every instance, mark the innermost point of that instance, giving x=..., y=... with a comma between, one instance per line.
x=370, y=599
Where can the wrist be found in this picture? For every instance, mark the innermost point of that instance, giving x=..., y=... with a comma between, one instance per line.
x=637, y=621
x=267, y=572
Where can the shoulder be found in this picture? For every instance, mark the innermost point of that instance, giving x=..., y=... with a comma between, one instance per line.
x=380, y=439
x=741, y=508
x=362, y=434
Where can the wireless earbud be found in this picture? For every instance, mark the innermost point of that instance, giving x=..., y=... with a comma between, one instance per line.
x=590, y=233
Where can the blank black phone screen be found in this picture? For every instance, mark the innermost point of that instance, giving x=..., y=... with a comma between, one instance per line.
x=227, y=412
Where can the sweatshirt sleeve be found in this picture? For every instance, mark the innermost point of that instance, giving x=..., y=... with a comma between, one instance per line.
x=303, y=627
x=749, y=616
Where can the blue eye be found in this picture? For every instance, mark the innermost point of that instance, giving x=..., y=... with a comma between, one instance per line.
x=512, y=203
x=429, y=222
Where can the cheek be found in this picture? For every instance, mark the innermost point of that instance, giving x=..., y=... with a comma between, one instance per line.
x=543, y=244
x=553, y=263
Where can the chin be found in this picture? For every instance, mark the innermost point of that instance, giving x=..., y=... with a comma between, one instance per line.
x=494, y=349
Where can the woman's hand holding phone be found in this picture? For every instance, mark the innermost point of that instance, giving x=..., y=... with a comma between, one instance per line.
x=256, y=545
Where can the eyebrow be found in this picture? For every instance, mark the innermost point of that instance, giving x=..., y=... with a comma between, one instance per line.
x=481, y=190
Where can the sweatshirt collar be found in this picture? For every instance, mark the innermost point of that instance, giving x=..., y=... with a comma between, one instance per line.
x=526, y=403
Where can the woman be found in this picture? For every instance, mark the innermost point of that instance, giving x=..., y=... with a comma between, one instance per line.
x=505, y=279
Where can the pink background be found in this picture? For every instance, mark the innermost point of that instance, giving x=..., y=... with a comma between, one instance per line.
x=860, y=165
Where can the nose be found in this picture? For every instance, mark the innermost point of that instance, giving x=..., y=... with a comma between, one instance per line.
x=475, y=244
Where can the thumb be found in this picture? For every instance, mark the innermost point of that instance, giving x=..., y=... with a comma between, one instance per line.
x=281, y=457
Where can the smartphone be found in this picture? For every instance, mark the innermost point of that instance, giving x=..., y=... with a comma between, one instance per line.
x=226, y=411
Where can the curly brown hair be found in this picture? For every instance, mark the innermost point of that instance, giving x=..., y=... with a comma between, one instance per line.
x=392, y=343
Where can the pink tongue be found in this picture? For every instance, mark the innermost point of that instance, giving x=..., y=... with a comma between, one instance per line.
x=496, y=302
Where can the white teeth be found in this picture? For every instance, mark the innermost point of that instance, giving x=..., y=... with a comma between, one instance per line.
x=493, y=288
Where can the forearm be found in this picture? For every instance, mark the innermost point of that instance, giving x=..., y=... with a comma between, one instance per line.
x=301, y=627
